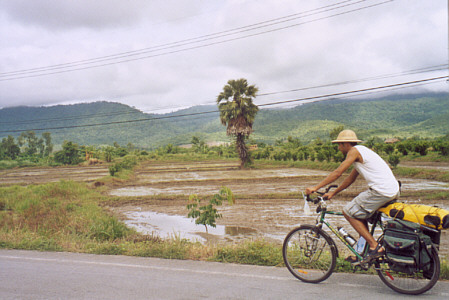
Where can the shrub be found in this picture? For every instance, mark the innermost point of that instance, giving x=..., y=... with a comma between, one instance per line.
x=69, y=155
x=393, y=159
x=127, y=163
x=208, y=214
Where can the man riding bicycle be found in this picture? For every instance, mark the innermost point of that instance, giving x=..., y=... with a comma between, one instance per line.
x=383, y=186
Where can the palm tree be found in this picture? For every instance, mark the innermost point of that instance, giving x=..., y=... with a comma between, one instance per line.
x=237, y=112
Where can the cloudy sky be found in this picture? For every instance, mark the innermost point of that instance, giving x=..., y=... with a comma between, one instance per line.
x=162, y=55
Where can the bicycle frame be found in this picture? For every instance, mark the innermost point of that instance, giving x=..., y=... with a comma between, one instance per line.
x=322, y=220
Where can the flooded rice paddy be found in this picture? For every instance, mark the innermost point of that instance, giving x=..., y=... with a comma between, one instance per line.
x=269, y=205
x=267, y=200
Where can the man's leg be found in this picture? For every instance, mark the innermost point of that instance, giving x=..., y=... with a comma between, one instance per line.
x=362, y=229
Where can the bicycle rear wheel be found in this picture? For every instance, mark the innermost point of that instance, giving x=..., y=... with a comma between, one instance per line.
x=410, y=283
x=309, y=253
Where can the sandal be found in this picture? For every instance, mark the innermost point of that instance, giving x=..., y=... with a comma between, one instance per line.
x=373, y=254
x=352, y=259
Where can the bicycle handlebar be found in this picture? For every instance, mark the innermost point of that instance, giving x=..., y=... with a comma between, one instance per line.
x=318, y=198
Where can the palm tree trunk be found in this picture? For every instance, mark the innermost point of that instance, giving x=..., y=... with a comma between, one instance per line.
x=242, y=150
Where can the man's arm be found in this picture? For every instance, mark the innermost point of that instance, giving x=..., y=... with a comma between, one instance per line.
x=351, y=157
x=347, y=182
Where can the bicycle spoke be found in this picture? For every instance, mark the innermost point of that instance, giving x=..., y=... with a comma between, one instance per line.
x=308, y=254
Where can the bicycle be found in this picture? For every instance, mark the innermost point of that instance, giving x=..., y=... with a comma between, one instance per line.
x=310, y=253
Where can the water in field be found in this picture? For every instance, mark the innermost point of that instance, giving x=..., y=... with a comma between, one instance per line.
x=173, y=226
x=188, y=188
x=177, y=226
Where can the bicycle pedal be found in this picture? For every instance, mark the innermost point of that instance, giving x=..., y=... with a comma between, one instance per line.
x=365, y=266
x=355, y=264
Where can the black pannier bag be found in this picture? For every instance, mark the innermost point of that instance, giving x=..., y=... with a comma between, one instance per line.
x=408, y=248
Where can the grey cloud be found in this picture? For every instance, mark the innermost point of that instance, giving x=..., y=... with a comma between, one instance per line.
x=95, y=14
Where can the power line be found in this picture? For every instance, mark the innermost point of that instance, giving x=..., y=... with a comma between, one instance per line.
x=163, y=46
x=85, y=116
x=403, y=84
x=410, y=72
x=14, y=76
x=128, y=112
x=358, y=91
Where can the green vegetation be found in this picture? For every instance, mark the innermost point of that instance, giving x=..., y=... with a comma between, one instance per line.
x=28, y=150
x=208, y=214
x=127, y=163
x=251, y=252
x=56, y=216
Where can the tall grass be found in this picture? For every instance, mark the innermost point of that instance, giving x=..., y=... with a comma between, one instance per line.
x=54, y=216
x=257, y=252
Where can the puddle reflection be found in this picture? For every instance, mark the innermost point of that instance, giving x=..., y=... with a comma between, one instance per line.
x=167, y=226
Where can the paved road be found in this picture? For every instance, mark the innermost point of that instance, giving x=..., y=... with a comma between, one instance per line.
x=49, y=275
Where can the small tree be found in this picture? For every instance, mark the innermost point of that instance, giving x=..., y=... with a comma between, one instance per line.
x=30, y=141
x=393, y=159
x=8, y=148
x=402, y=148
x=389, y=148
x=208, y=214
x=69, y=155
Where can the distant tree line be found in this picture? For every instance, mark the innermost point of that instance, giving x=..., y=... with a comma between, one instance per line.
x=32, y=148
x=28, y=146
x=292, y=149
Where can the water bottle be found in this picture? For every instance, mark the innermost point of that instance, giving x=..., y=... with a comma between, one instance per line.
x=307, y=208
x=351, y=241
x=360, y=245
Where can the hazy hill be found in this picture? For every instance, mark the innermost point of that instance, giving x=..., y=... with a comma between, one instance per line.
x=423, y=115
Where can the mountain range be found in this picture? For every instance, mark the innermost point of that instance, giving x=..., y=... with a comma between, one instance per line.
x=100, y=123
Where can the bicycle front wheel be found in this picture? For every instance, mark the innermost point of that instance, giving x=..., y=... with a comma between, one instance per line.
x=412, y=283
x=309, y=253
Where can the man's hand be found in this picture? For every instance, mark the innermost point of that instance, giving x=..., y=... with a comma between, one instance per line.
x=311, y=190
x=329, y=195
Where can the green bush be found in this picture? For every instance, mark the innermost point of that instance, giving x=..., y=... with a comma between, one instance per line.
x=69, y=155
x=393, y=159
x=208, y=214
x=127, y=163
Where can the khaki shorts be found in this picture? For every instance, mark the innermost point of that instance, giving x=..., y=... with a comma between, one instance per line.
x=366, y=203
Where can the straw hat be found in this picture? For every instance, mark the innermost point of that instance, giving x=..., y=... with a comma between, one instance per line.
x=347, y=136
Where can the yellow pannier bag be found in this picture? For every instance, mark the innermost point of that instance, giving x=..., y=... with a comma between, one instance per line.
x=423, y=214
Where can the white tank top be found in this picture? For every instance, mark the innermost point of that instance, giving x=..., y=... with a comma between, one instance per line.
x=376, y=172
